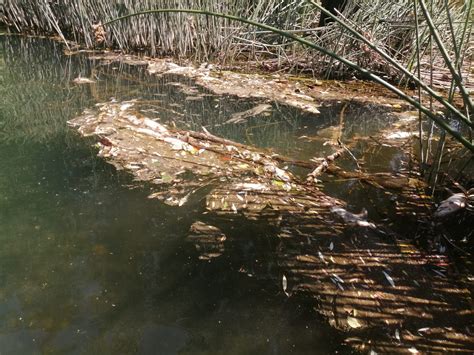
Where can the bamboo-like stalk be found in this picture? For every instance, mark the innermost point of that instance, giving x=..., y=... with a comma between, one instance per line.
x=396, y=64
x=444, y=125
x=444, y=53
x=420, y=96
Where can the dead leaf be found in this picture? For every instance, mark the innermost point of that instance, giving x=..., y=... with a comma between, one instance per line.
x=353, y=322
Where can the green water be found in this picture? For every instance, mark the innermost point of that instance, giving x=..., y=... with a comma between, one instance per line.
x=88, y=264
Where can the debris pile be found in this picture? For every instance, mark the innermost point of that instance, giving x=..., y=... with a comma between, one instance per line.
x=184, y=162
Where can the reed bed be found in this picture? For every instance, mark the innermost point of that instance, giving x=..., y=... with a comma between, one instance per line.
x=203, y=38
x=391, y=26
x=388, y=24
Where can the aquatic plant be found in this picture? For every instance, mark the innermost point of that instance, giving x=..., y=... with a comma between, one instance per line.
x=445, y=36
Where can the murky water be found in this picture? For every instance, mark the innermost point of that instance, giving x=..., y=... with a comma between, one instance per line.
x=88, y=264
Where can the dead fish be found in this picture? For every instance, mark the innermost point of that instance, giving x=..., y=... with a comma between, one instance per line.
x=354, y=322
x=241, y=116
x=80, y=80
x=247, y=186
x=351, y=218
x=277, y=172
x=389, y=279
x=456, y=202
x=331, y=132
x=397, y=335
x=399, y=135
x=336, y=277
x=284, y=285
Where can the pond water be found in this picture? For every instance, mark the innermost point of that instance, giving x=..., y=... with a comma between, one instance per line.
x=88, y=264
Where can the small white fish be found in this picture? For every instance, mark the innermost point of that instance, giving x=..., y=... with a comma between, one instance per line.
x=80, y=80
x=153, y=124
x=284, y=284
x=389, y=279
x=399, y=135
x=451, y=205
x=246, y=186
x=321, y=256
x=182, y=201
x=351, y=218
x=331, y=246
x=126, y=106
x=397, y=334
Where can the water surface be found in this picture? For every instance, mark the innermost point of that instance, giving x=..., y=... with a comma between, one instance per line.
x=88, y=264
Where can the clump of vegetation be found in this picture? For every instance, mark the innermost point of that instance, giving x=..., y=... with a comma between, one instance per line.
x=203, y=38
x=387, y=24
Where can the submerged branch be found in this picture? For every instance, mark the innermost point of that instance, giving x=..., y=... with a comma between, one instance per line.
x=312, y=176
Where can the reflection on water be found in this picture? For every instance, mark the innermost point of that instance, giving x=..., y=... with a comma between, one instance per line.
x=88, y=265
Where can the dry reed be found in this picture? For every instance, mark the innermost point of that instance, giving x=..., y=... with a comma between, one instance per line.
x=203, y=38
x=388, y=24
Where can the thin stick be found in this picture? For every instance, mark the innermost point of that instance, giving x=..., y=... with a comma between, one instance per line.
x=312, y=176
x=418, y=60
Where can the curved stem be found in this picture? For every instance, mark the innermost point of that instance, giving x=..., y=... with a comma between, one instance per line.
x=443, y=124
x=447, y=60
x=397, y=65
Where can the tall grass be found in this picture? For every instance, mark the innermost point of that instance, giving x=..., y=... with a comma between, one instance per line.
x=446, y=37
x=388, y=24
x=203, y=38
